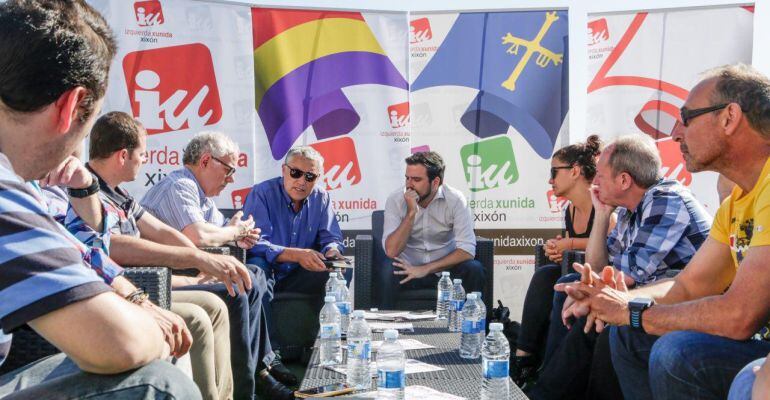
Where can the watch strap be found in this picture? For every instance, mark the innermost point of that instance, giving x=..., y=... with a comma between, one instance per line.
x=85, y=192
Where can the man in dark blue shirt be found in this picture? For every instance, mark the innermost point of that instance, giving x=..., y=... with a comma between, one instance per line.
x=299, y=229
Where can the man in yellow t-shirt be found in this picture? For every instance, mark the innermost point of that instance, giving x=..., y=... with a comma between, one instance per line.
x=689, y=336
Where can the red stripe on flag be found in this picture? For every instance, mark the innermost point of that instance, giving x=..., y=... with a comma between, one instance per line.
x=268, y=22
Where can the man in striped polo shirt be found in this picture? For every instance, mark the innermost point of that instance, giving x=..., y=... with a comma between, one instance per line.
x=54, y=58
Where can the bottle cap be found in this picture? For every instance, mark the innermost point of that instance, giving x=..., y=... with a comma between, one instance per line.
x=391, y=334
x=496, y=326
x=456, y=281
x=471, y=296
x=445, y=273
x=358, y=314
x=330, y=299
x=332, y=274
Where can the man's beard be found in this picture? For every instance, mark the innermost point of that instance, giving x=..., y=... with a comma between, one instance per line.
x=427, y=195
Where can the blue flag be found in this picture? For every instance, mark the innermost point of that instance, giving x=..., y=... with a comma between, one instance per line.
x=518, y=62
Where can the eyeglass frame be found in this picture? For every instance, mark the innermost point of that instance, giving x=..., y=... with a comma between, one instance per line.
x=230, y=169
x=555, y=170
x=688, y=115
x=309, y=176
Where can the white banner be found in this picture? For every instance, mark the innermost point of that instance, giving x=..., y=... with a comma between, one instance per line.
x=183, y=67
x=489, y=93
x=642, y=65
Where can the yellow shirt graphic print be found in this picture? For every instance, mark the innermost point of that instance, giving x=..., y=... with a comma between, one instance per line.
x=743, y=219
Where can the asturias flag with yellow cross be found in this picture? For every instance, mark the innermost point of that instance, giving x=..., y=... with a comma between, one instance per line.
x=518, y=62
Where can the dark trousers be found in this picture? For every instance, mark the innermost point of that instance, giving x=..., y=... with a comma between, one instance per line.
x=471, y=272
x=536, y=314
x=556, y=329
x=579, y=368
x=299, y=280
x=250, y=346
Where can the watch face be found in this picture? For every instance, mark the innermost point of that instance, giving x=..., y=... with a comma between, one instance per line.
x=640, y=303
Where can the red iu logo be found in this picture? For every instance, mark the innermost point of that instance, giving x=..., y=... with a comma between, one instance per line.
x=148, y=13
x=419, y=30
x=340, y=163
x=165, y=100
x=398, y=115
x=557, y=204
x=239, y=197
x=597, y=31
x=673, y=163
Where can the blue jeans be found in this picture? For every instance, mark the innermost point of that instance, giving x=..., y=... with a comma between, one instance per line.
x=250, y=346
x=682, y=365
x=299, y=280
x=57, y=377
x=744, y=381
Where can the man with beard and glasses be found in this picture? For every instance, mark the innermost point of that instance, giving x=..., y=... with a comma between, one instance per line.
x=299, y=230
x=429, y=228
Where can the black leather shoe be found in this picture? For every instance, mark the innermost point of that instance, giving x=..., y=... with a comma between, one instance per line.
x=282, y=374
x=269, y=388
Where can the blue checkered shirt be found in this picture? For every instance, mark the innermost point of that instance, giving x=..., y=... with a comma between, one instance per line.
x=664, y=231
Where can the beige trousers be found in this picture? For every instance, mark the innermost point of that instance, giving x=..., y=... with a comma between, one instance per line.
x=207, y=318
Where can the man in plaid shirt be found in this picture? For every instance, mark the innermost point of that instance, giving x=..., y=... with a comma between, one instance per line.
x=660, y=227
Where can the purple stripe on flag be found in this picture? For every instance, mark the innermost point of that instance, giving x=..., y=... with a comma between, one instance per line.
x=311, y=95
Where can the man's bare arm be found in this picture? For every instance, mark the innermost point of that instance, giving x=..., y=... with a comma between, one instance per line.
x=450, y=260
x=157, y=231
x=104, y=334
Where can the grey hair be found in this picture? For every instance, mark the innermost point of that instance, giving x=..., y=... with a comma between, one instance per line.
x=638, y=156
x=744, y=85
x=308, y=153
x=215, y=143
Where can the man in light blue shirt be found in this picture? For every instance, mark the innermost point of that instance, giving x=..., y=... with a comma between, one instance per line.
x=298, y=227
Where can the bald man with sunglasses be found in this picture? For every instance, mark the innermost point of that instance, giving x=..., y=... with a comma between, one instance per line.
x=298, y=227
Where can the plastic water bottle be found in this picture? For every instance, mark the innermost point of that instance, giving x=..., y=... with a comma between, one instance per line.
x=456, y=306
x=359, y=352
x=470, y=341
x=495, y=354
x=331, y=343
x=331, y=284
x=343, y=304
x=483, y=312
x=443, y=297
x=391, y=377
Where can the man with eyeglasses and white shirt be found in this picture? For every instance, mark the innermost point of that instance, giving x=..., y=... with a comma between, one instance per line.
x=298, y=226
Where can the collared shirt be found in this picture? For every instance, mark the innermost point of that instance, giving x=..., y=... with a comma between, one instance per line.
x=664, y=231
x=445, y=225
x=41, y=264
x=129, y=210
x=178, y=200
x=59, y=207
x=314, y=226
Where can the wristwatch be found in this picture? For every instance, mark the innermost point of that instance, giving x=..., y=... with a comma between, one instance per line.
x=85, y=192
x=635, y=308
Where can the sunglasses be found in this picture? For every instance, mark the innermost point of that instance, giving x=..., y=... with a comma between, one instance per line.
x=230, y=169
x=555, y=170
x=688, y=115
x=297, y=173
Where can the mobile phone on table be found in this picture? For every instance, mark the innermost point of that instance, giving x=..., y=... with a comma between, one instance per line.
x=334, y=389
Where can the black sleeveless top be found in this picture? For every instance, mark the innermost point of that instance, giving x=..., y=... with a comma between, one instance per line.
x=571, y=229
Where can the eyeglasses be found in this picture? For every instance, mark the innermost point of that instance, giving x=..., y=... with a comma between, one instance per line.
x=555, y=170
x=297, y=173
x=230, y=168
x=688, y=115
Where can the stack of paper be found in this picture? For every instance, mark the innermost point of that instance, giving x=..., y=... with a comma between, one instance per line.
x=415, y=393
x=407, y=344
x=383, y=326
x=411, y=367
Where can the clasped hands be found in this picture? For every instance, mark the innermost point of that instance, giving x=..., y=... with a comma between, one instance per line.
x=603, y=300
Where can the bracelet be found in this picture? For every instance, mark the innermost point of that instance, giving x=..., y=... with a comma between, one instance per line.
x=137, y=297
x=87, y=191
